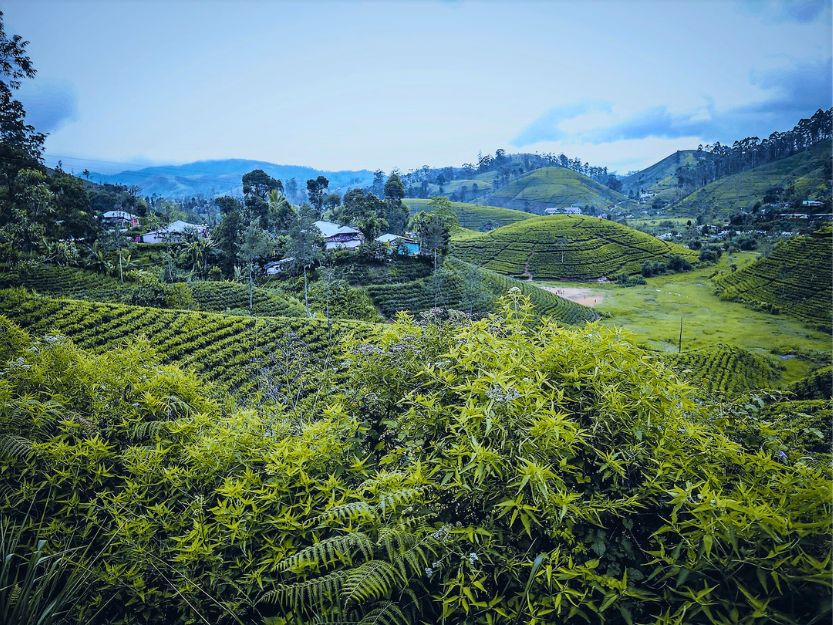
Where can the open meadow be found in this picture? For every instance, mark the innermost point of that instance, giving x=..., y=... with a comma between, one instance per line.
x=652, y=314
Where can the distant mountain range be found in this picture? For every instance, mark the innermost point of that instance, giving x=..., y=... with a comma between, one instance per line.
x=222, y=177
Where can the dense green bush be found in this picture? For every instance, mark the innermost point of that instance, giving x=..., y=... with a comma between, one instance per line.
x=497, y=471
x=336, y=298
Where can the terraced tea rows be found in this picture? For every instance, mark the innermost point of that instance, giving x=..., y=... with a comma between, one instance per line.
x=65, y=281
x=225, y=295
x=418, y=295
x=81, y=284
x=226, y=349
x=725, y=369
x=566, y=247
x=795, y=279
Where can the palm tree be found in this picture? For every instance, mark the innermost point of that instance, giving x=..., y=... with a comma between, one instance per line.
x=198, y=249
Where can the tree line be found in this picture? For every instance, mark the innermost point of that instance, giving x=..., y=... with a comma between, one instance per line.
x=718, y=160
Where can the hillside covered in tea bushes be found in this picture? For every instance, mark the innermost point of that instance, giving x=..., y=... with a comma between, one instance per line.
x=725, y=369
x=238, y=353
x=795, y=279
x=566, y=247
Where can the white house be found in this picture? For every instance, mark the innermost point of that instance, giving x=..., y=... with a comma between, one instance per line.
x=278, y=266
x=811, y=203
x=405, y=246
x=119, y=219
x=174, y=232
x=339, y=237
x=563, y=210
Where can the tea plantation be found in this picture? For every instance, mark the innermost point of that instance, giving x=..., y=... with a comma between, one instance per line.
x=725, y=369
x=795, y=279
x=211, y=296
x=566, y=247
x=471, y=289
x=226, y=349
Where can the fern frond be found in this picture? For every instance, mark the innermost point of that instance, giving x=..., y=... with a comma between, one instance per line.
x=387, y=614
x=327, y=552
x=402, y=497
x=144, y=430
x=16, y=447
x=315, y=594
x=354, y=511
x=369, y=581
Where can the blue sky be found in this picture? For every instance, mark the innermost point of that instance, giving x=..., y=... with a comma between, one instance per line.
x=401, y=84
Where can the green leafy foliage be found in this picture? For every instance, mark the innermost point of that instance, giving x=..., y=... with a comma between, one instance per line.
x=794, y=279
x=565, y=247
x=496, y=471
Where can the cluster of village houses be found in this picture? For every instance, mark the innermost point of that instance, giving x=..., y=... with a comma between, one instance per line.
x=334, y=235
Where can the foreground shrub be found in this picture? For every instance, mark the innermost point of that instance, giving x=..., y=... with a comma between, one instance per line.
x=497, y=471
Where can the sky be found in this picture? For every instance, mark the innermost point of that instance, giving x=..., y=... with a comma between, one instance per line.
x=348, y=85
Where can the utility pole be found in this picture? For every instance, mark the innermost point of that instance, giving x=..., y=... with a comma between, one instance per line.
x=680, y=341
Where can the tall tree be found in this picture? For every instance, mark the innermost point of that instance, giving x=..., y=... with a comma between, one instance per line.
x=21, y=146
x=394, y=189
x=433, y=233
x=396, y=213
x=378, y=186
x=316, y=189
x=280, y=213
x=228, y=232
x=257, y=185
x=306, y=246
x=255, y=246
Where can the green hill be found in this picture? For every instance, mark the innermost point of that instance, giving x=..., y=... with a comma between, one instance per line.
x=794, y=279
x=230, y=350
x=564, y=247
x=725, y=369
x=474, y=216
x=804, y=171
x=553, y=187
x=661, y=177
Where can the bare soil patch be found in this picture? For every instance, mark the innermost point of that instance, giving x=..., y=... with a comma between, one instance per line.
x=580, y=295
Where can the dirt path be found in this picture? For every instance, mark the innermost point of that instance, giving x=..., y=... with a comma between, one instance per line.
x=586, y=297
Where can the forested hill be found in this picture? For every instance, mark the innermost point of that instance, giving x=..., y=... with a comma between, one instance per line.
x=222, y=177
x=792, y=179
x=661, y=177
x=684, y=172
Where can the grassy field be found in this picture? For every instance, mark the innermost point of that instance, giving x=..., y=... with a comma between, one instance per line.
x=731, y=194
x=474, y=216
x=565, y=247
x=651, y=313
x=553, y=187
